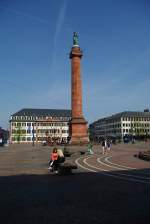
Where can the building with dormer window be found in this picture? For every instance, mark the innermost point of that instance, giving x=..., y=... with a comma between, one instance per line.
x=128, y=123
x=40, y=125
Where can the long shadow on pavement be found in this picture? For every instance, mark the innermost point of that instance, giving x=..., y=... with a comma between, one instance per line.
x=78, y=198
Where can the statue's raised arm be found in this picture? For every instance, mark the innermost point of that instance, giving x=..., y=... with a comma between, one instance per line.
x=75, y=39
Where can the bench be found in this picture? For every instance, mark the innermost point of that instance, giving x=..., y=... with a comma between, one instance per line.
x=66, y=168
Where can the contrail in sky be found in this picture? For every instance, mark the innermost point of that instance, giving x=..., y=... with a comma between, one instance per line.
x=19, y=13
x=60, y=21
x=59, y=24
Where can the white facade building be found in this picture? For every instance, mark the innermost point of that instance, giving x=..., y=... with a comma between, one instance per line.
x=39, y=125
x=122, y=124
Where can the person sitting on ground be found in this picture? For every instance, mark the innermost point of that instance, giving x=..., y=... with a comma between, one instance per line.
x=61, y=157
x=53, y=160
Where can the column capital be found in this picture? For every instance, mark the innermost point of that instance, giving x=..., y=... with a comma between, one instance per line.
x=76, y=52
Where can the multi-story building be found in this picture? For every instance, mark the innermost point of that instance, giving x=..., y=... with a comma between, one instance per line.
x=121, y=124
x=39, y=125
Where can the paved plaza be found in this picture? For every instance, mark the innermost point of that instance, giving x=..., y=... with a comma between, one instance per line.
x=109, y=188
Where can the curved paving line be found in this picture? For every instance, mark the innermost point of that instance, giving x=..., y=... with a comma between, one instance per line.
x=111, y=166
x=107, y=172
x=116, y=164
x=119, y=165
x=95, y=167
x=122, y=174
x=85, y=168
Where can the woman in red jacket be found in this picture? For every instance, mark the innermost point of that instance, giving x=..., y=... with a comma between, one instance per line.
x=53, y=160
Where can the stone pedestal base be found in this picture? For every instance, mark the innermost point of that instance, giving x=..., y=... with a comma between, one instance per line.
x=79, y=134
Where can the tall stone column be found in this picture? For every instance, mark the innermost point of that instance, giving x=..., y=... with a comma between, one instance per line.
x=79, y=133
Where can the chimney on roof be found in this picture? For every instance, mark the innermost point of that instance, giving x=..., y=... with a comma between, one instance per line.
x=146, y=110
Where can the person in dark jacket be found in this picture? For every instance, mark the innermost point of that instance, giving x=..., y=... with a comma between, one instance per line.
x=53, y=160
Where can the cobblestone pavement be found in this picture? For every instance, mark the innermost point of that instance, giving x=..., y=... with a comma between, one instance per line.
x=110, y=188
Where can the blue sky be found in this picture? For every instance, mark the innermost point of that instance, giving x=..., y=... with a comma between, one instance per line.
x=35, y=41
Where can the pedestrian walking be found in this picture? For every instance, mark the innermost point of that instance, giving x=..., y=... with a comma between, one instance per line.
x=104, y=146
x=108, y=145
x=90, y=148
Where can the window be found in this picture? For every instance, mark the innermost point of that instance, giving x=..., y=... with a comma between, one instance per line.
x=28, y=139
x=23, y=131
x=23, y=139
x=40, y=138
x=13, y=139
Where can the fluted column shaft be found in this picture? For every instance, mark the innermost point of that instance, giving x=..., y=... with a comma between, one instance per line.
x=76, y=84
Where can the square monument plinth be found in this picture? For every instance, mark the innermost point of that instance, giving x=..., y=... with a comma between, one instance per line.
x=79, y=131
